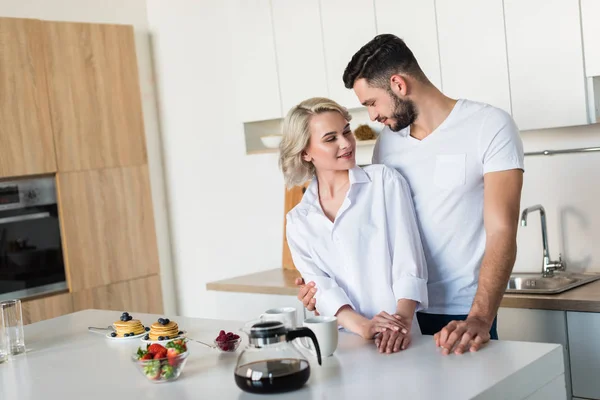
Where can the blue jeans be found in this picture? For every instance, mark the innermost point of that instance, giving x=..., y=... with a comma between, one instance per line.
x=431, y=324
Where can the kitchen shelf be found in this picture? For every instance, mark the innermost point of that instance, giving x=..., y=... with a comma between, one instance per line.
x=255, y=129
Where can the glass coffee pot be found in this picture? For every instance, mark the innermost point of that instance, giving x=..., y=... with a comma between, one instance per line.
x=270, y=363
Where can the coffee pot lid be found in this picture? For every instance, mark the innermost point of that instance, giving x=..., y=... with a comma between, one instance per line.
x=267, y=329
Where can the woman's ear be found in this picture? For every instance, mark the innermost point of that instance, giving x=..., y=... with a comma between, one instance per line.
x=306, y=157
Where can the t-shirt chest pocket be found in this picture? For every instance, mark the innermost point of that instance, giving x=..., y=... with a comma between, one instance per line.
x=450, y=170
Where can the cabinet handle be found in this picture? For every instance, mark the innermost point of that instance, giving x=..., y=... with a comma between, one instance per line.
x=26, y=217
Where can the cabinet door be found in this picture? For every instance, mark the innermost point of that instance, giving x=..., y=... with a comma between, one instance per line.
x=545, y=61
x=347, y=26
x=419, y=31
x=473, y=52
x=47, y=307
x=585, y=353
x=107, y=226
x=255, y=65
x=590, y=15
x=299, y=49
x=137, y=295
x=94, y=95
x=26, y=144
x=293, y=196
x=544, y=326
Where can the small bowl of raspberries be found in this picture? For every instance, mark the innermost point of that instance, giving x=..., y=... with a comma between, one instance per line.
x=228, y=342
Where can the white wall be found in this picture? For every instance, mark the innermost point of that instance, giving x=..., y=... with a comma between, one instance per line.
x=129, y=12
x=226, y=207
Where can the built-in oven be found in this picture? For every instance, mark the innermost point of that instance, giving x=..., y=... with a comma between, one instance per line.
x=31, y=257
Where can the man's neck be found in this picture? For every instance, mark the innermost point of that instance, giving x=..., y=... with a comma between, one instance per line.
x=433, y=107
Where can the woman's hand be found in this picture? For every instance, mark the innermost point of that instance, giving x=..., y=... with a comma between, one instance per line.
x=306, y=294
x=384, y=322
x=392, y=341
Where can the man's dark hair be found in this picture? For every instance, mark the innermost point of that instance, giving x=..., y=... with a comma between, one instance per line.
x=379, y=59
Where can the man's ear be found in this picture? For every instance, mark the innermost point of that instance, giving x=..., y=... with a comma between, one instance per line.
x=399, y=85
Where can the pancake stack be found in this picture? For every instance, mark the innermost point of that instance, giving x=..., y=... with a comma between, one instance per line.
x=128, y=326
x=163, y=330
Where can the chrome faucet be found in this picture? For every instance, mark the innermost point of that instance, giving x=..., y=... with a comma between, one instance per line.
x=548, y=266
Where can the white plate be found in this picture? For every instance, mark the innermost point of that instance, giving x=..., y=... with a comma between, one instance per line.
x=163, y=342
x=125, y=338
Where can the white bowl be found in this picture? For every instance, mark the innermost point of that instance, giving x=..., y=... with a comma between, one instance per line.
x=271, y=141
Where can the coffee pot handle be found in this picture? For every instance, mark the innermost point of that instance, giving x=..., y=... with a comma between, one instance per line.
x=305, y=332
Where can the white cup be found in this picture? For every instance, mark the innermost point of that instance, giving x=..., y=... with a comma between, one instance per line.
x=326, y=331
x=287, y=315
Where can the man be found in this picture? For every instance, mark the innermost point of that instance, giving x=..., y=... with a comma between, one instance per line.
x=464, y=163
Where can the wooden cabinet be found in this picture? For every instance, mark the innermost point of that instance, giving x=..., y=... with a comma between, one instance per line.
x=254, y=66
x=473, y=52
x=418, y=31
x=299, y=49
x=107, y=226
x=347, y=26
x=47, y=307
x=585, y=353
x=545, y=60
x=26, y=146
x=590, y=15
x=94, y=95
x=138, y=295
x=293, y=196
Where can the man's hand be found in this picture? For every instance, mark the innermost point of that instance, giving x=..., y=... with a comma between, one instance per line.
x=458, y=336
x=306, y=294
x=392, y=341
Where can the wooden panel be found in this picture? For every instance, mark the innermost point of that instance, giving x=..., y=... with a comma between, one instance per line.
x=293, y=196
x=26, y=145
x=275, y=281
x=94, y=95
x=47, y=307
x=107, y=226
x=419, y=31
x=474, y=66
x=139, y=295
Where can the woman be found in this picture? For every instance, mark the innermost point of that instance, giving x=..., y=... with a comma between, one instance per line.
x=354, y=234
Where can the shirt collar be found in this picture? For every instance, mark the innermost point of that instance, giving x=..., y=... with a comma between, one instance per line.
x=311, y=196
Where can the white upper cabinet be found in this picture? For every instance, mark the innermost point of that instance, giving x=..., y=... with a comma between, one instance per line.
x=414, y=22
x=254, y=65
x=473, y=51
x=347, y=26
x=590, y=14
x=299, y=48
x=545, y=61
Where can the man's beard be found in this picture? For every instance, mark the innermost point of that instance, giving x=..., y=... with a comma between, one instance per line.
x=405, y=112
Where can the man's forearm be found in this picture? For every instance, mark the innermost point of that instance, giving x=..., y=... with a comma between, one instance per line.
x=496, y=267
x=405, y=308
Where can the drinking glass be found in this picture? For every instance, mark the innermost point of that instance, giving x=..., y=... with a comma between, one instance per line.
x=12, y=316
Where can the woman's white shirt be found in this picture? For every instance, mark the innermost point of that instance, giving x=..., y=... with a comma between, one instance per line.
x=371, y=255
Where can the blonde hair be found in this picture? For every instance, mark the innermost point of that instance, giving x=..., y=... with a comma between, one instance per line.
x=296, y=137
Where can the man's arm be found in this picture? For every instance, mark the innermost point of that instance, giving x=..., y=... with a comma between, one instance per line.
x=502, y=199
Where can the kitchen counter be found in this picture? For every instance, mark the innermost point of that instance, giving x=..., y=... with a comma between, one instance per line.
x=585, y=298
x=65, y=361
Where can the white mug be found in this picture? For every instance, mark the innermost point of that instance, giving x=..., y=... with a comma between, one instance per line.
x=287, y=315
x=326, y=331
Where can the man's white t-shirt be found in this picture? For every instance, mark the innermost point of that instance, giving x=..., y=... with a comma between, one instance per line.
x=445, y=171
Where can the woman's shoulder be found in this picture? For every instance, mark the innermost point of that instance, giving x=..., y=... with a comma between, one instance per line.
x=383, y=173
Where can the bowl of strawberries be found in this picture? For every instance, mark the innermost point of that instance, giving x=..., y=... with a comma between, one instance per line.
x=160, y=363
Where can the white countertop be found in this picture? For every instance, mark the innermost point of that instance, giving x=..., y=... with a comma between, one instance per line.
x=65, y=361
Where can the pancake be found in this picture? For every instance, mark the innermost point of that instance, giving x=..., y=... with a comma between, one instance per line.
x=170, y=330
x=132, y=326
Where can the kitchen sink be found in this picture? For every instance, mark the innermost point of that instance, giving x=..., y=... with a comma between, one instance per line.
x=558, y=283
